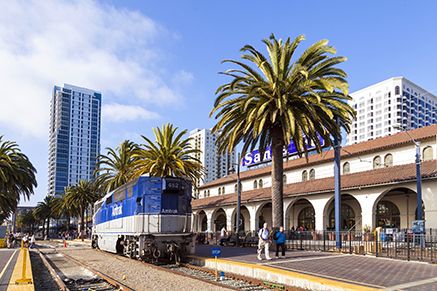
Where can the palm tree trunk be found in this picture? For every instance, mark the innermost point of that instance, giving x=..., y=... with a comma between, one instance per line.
x=277, y=172
x=68, y=223
x=43, y=227
x=82, y=223
x=48, y=227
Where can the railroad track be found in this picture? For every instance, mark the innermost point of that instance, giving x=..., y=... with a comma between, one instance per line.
x=230, y=281
x=97, y=282
x=206, y=275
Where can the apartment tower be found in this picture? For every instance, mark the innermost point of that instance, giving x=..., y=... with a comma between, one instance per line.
x=216, y=165
x=388, y=107
x=74, y=142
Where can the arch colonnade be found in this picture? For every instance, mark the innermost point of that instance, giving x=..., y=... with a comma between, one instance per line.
x=390, y=206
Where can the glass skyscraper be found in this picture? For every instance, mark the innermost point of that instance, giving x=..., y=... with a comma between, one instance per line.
x=74, y=136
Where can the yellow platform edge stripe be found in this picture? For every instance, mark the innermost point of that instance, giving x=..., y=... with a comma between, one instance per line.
x=297, y=275
x=18, y=270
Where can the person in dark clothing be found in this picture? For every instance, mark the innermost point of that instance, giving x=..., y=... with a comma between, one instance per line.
x=280, y=239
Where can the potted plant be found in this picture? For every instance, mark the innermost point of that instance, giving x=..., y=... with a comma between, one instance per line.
x=367, y=233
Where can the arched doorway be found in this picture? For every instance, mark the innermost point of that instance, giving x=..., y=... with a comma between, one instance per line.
x=348, y=220
x=245, y=219
x=396, y=208
x=350, y=214
x=264, y=214
x=219, y=219
x=387, y=215
x=202, y=221
x=300, y=213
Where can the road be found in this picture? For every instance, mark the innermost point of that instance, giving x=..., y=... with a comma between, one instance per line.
x=7, y=263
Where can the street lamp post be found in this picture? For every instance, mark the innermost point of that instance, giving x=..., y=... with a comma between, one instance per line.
x=237, y=219
x=418, y=173
x=337, y=191
x=237, y=228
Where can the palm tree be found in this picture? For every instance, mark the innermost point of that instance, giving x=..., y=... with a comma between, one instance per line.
x=45, y=210
x=169, y=155
x=271, y=101
x=26, y=221
x=64, y=209
x=17, y=177
x=116, y=168
x=80, y=196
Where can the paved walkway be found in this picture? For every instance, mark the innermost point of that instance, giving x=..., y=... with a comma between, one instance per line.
x=367, y=271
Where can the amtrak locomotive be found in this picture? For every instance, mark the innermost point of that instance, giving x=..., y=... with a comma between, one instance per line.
x=146, y=219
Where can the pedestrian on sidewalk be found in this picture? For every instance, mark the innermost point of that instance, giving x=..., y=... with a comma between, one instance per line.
x=280, y=239
x=32, y=241
x=264, y=242
x=223, y=234
x=25, y=240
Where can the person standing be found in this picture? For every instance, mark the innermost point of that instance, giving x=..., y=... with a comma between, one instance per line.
x=280, y=239
x=264, y=242
x=223, y=234
x=25, y=240
x=32, y=241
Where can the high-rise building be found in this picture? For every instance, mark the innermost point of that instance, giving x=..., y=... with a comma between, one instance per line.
x=386, y=107
x=74, y=136
x=216, y=165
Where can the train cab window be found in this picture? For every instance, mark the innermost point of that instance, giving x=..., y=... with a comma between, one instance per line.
x=97, y=206
x=138, y=206
x=130, y=192
x=109, y=200
x=119, y=195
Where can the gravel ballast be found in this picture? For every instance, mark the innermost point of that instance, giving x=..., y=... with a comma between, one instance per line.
x=136, y=274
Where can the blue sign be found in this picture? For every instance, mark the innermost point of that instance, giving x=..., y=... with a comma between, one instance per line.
x=253, y=158
x=216, y=252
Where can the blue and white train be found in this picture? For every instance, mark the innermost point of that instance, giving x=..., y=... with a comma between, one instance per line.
x=147, y=219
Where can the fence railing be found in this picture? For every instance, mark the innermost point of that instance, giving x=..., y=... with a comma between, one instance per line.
x=403, y=244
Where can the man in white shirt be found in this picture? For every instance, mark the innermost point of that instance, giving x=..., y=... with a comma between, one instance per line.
x=264, y=242
x=32, y=241
x=223, y=234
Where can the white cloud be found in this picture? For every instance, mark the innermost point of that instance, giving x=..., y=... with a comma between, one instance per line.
x=82, y=42
x=115, y=112
x=183, y=78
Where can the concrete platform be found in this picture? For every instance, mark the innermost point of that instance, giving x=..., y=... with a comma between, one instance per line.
x=323, y=271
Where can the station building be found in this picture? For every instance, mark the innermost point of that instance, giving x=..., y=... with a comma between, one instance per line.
x=378, y=188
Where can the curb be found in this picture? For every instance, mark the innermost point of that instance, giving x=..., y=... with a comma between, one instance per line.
x=277, y=275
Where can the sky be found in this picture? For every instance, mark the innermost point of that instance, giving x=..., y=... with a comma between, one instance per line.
x=159, y=61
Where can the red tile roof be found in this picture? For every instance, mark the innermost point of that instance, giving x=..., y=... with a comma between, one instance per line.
x=370, y=146
x=381, y=176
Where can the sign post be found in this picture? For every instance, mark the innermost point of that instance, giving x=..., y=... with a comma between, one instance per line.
x=216, y=252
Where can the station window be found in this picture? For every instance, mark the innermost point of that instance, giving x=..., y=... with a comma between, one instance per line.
x=376, y=162
x=346, y=168
x=260, y=183
x=427, y=153
x=284, y=179
x=255, y=184
x=388, y=160
x=219, y=191
x=223, y=190
x=312, y=174
x=304, y=175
